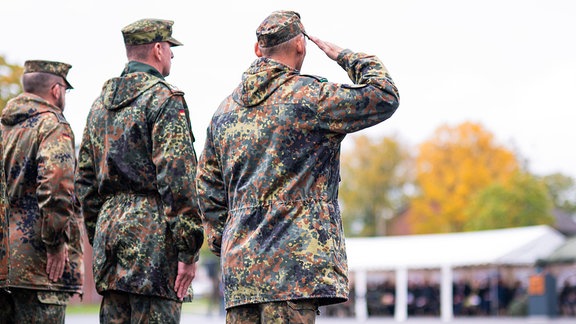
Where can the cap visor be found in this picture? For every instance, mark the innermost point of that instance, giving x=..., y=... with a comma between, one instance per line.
x=174, y=42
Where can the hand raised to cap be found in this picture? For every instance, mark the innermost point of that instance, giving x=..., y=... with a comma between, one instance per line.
x=330, y=49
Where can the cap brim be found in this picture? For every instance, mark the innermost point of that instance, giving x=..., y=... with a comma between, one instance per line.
x=174, y=42
x=68, y=85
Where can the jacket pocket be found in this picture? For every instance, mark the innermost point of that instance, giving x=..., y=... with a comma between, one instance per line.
x=310, y=305
x=53, y=297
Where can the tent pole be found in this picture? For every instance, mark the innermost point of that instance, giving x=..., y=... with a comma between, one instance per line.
x=401, y=303
x=446, y=297
x=360, y=305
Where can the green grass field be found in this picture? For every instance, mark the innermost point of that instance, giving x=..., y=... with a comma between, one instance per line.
x=197, y=306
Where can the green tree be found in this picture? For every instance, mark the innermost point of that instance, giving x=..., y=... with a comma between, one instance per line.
x=451, y=167
x=10, y=85
x=521, y=201
x=562, y=189
x=375, y=174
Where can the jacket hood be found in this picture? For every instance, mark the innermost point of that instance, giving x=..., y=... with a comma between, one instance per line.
x=26, y=106
x=121, y=91
x=261, y=79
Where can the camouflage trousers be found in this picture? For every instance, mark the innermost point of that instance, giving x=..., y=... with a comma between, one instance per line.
x=32, y=306
x=294, y=312
x=120, y=307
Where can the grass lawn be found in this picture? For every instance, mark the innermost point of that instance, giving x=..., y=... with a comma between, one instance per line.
x=83, y=309
x=197, y=306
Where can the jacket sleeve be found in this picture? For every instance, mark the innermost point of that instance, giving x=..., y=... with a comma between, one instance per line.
x=175, y=160
x=212, y=194
x=56, y=161
x=86, y=186
x=372, y=98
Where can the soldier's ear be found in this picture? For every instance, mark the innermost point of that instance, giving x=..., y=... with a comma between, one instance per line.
x=157, y=51
x=301, y=45
x=55, y=91
x=257, y=50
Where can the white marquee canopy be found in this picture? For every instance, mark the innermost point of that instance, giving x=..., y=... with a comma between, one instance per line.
x=512, y=246
x=523, y=245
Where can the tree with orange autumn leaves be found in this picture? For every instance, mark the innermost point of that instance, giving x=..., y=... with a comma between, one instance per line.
x=451, y=168
x=461, y=179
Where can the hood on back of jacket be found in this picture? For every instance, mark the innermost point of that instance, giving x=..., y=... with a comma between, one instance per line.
x=120, y=92
x=261, y=79
x=24, y=107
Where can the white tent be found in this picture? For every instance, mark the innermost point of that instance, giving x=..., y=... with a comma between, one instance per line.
x=513, y=246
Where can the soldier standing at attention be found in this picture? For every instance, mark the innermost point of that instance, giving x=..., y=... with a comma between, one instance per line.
x=41, y=263
x=135, y=184
x=268, y=176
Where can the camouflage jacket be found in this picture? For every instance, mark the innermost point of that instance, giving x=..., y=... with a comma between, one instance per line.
x=39, y=161
x=135, y=184
x=268, y=178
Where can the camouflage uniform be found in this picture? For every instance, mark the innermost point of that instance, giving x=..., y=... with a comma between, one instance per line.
x=268, y=176
x=39, y=160
x=142, y=309
x=298, y=311
x=135, y=181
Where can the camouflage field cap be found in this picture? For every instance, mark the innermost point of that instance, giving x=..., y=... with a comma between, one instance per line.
x=279, y=27
x=56, y=68
x=146, y=31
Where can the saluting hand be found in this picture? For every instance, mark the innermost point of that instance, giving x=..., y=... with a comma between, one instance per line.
x=330, y=49
x=186, y=273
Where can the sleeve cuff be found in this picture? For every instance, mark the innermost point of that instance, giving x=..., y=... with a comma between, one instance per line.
x=53, y=249
x=340, y=58
x=188, y=258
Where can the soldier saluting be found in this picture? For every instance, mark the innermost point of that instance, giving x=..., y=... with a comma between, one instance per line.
x=268, y=176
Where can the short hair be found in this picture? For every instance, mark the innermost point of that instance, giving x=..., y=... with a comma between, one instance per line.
x=139, y=52
x=282, y=47
x=39, y=82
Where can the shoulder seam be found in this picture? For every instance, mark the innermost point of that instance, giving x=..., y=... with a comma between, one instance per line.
x=60, y=117
x=172, y=88
x=316, y=77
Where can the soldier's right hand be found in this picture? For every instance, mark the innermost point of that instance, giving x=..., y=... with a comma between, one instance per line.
x=56, y=262
x=331, y=50
x=186, y=273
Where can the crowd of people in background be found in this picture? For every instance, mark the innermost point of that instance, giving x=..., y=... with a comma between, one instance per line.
x=470, y=298
x=567, y=299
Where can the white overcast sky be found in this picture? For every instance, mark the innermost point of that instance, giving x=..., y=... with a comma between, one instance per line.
x=508, y=64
